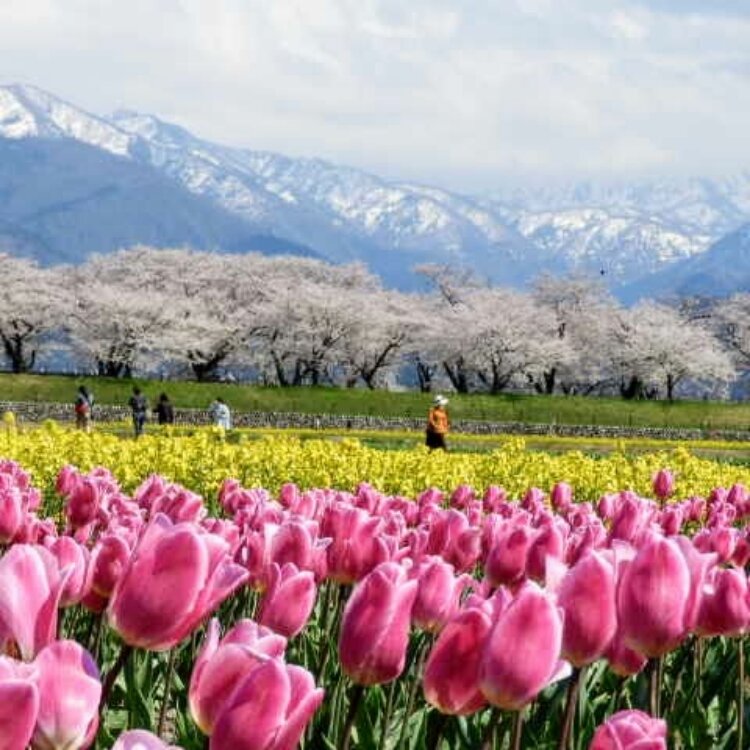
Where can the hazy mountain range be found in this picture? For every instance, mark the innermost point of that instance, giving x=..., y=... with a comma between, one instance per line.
x=72, y=183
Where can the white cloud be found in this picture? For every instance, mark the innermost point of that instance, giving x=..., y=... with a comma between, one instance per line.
x=463, y=92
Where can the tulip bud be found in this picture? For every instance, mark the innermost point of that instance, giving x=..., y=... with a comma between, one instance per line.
x=140, y=739
x=663, y=484
x=659, y=595
x=268, y=710
x=222, y=665
x=375, y=626
x=69, y=692
x=438, y=594
x=288, y=601
x=31, y=585
x=509, y=679
x=177, y=575
x=725, y=604
x=19, y=703
x=587, y=598
x=630, y=730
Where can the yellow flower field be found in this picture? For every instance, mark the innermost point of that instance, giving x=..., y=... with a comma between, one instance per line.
x=202, y=460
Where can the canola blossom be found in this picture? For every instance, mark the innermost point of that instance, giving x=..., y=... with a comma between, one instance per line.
x=201, y=461
x=137, y=611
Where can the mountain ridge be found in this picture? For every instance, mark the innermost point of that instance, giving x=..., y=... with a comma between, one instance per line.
x=624, y=232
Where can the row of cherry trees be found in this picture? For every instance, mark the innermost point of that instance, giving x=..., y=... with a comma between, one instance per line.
x=294, y=321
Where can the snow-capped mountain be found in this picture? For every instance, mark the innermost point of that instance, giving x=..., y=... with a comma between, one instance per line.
x=343, y=214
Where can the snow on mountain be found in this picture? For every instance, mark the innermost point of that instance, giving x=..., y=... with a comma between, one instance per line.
x=343, y=214
x=29, y=112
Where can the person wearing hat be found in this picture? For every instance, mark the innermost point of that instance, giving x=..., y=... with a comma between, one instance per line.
x=437, y=424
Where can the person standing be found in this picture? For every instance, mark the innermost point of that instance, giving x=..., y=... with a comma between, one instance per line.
x=164, y=410
x=221, y=414
x=438, y=424
x=139, y=406
x=83, y=406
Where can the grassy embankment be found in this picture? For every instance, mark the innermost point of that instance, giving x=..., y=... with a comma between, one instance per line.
x=501, y=408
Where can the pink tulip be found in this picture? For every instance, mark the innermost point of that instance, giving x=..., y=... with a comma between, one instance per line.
x=31, y=585
x=549, y=542
x=12, y=514
x=663, y=484
x=71, y=556
x=67, y=478
x=451, y=677
x=659, y=594
x=375, y=626
x=630, y=730
x=561, y=496
x=452, y=537
x=19, y=704
x=69, y=693
x=178, y=574
x=438, y=594
x=139, y=739
x=506, y=561
x=725, y=604
x=522, y=653
x=110, y=557
x=623, y=661
x=222, y=665
x=587, y=598
x=356, y=547
x=84, y=500
x=288, y=601
x=269, y=710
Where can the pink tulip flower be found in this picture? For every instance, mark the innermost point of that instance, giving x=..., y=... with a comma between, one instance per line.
x=109, y=558
x=587, y=598
x=12, y=513
x=375, y=626
x=630, y=730
x=561, y=497
x=663, y=484
x=31, y=585
x=288, y=601
x=506, y=560
x=178, y=574
x=725, y=604
x=438, y=594
x=222, y=665
x=659, y=594
x=69, y=692
x=356, y=546
x=83, y=503
x=451, y=676
x=521, y=655
x=140, y=739
x=269, y=710
x=19, y=704
x=73, y=557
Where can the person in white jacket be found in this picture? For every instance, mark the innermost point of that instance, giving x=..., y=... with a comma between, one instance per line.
x=221, y=414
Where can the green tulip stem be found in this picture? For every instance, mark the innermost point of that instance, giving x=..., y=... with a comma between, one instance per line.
x=167, y=688
x=489, y=735
x=355, y=699
x=571, y=700
x=741, y=693
x=436, y=723
x=416, y=682
x=515, y=743
x=113, y=673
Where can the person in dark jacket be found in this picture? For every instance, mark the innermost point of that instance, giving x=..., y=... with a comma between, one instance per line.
x=139, y=406
x=164, y=410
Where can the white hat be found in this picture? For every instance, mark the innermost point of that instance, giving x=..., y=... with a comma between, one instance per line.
x=440, y=400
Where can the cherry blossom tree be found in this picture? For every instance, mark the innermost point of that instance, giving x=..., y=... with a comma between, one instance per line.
x=33, y=305
x=659, y=350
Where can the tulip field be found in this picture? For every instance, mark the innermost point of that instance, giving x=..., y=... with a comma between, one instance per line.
x=191, y=592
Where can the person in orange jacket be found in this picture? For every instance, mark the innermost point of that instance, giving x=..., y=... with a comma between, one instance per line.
x=438, y=424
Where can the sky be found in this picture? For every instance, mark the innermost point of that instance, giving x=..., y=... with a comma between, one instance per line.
x=470, y=94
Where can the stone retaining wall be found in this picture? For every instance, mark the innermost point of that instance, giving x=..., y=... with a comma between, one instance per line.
x=39, y=411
